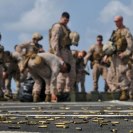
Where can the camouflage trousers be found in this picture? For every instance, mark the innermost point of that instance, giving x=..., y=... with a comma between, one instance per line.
x=129, y=75
x=98, y=70
x=80, y=79
x=12, y=72
x=116, y=78
x=1, y=71
x=65, y=82
x=1, y=81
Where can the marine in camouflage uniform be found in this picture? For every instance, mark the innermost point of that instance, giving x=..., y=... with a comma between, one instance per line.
x=95, y=55
x=80, y=69
x=123, y=41
x=60, y=43
x=12, y=71
x=47, y=69
x=29, y=51
x=1, y=68
x=17, y=56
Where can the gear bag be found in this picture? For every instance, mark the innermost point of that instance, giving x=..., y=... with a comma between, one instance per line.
x=25, y=92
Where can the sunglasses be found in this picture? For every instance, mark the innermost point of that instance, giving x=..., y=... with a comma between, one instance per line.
x=99, y=40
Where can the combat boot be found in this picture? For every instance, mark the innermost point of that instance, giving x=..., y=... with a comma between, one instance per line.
x=2, y=96
x=54, y=98
x=106, y=88
x=130, y=96
x=124, y=95
x=67, y=97
x=1, y=93
x=60, y=96
x=36, y=98
x=15, y=96
x=48, y=98
x=8, y=94
x=3, y=99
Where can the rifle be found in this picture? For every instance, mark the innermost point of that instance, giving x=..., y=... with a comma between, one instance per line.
x=86, y=70
x=112, y=38
x=87, y=73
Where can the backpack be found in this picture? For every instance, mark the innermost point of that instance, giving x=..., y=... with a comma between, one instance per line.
x=25, y=92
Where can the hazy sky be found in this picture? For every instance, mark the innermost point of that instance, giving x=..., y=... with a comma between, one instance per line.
x=19, y=19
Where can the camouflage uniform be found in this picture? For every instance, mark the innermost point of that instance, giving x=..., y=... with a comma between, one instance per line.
x=47, y=70
x=18, y=57
x=80, y=72
x=1, y=69
x=112, y=78
x=12, y=72
x=1, y=82
x=123, y=42
x=116, y=77
x=129, y=75
x=60, y=46
x=95, y=54
x=30, y=48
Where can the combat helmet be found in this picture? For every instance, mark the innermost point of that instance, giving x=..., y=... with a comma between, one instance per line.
x=74, y=37
x=37, y=36
x=109, y=48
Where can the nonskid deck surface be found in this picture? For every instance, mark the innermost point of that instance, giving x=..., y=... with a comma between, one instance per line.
x=98, y=117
